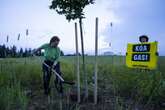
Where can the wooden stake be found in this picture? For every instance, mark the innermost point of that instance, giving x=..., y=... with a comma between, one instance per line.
x=96, y=54
x=77, y=65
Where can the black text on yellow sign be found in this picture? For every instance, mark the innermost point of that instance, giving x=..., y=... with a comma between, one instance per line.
x=142, y=55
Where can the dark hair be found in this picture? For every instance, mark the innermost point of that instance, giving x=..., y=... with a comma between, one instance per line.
x=54, y=38
x=143, y=36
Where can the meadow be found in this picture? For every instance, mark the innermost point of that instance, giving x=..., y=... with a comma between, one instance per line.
x=119, y=87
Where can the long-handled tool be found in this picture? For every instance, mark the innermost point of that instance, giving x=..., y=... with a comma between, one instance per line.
x=58, y=85
x=59, y=76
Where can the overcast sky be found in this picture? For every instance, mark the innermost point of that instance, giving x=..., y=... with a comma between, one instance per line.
x=130, y=18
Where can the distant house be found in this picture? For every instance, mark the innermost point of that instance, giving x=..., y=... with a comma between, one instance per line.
x=108, y=53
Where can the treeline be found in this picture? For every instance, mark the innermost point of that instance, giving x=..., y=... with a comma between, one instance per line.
x=12, y=51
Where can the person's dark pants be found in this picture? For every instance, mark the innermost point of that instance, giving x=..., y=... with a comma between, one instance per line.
x=47, y=76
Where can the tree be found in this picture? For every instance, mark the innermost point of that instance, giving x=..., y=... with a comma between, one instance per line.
x=29, y=52
x=21, y=52
x=25, y=53
x=2, y=51
x=14, y=51
x=7, y=51
x=73, y=9
x=62, y=53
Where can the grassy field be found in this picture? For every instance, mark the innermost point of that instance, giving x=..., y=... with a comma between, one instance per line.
x=119, y=87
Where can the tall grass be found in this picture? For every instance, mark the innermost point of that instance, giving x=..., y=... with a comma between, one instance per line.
x=126, y=87
x=15, y=78
x=12, y=95
x=13, y=98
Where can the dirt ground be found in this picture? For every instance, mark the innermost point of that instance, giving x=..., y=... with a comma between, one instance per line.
x=68, y=101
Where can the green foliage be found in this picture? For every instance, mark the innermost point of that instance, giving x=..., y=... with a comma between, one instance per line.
x=72, y=9
x=147, y=87
x=13, y=98
x=15, y=78
x=13, y=52
x=68, y=71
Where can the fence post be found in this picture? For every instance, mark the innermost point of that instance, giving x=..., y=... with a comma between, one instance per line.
x=96, y=53
x=77, y=65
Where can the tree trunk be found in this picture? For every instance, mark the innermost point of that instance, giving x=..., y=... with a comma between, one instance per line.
x=83, y=56
x=77, y=65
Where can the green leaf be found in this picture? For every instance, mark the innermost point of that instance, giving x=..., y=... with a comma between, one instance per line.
x=72, y=9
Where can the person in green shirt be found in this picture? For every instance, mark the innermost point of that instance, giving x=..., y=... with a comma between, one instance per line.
x=51, y=55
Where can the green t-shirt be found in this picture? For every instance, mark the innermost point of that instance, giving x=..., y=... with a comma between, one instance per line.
x=51, y=53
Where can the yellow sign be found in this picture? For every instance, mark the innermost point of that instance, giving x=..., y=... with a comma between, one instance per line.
x=142, y=55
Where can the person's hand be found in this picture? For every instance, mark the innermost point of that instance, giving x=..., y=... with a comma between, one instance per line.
x=55, y=63
x=34, y=52
x=157, y=54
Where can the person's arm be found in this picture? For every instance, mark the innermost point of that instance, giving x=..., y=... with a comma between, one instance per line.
x=157, y=54
x=58, y=58
x=55, y=63
x=35, y=51
x=39, y=49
